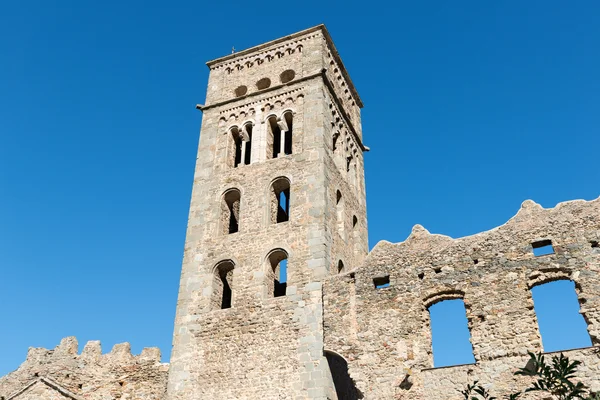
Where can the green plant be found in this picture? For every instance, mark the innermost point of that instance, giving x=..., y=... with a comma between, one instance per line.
x=556, y=378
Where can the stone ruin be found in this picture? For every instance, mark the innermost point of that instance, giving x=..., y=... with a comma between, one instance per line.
x=280, y=297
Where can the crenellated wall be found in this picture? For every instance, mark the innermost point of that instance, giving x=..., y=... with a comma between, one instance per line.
x=384, y=334
x=63, y=373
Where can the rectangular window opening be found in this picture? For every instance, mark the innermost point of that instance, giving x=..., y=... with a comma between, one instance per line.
x=542, y=247
x=561, y=325
x=450, y=335
x=381, y=282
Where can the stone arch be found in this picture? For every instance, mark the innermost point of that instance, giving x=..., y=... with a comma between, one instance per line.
x=230, y=211
x=343, y=384
x=434, y=299
x=546, y=276
x=279, y=195
x=222, y=285
x=234, y=146
x=276, y=272
x=286, y=123
x=340, y=214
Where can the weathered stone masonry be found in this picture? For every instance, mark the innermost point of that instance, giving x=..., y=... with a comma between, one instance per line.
x=280, y=179
x=388, y=347
x=62, y=373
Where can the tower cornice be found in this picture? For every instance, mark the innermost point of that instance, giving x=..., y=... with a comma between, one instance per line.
x=240, y=56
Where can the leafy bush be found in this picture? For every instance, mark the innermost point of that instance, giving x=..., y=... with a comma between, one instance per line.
x=555, y=378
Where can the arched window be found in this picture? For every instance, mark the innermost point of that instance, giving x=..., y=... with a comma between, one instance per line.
x=235, y=157
x=230, y=211
x=277, y=273
x=222, y=293
x=288, y=124
x=340, y=267
x=241, y=145
x=561, y=325
x=339, y=206
x=273, y=137
x=450, y=335
x=247, y=144
x=279, y=135
x=280, y=200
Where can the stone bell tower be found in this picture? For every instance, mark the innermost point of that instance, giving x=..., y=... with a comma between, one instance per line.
x=278, y=205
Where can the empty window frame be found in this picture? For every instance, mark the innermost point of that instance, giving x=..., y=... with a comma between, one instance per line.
x=542, y=247
x=286, y=146
x=450, y=335
x=340, y=213
x=561, y=325
x=338, y=150
x=381, y=282
x=246, y=155
x=240, y=145
x=280, y=135
x=280, y=201
x=222, y=293
x=230, y=211
x=235, y=147
x=277, y=273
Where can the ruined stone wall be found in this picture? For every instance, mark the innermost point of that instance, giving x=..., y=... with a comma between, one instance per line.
x=384, y=334
x=63, y=373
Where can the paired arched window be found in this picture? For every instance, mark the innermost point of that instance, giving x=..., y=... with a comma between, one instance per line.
x=280, y=135
x=241, y=145
x=277, y=272
x=222, y=293
x=280, y=200
x=230, y=211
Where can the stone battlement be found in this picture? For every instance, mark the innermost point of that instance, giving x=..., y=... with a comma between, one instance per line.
x=91, y=374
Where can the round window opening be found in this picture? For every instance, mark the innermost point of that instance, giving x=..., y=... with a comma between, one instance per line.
x=287, y=76
x=241, y=90
x=263, y=83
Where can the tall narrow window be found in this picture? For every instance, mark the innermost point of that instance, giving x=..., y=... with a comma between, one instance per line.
x=247, y=144
x=222, y=294
x=338, y=150
x=339, y=204
x=273, y=138
x=277, y=273
x=450, y=333
x=340, y=267
x=230, y=211
x=561, y=325
x=235, y=147
x=288, y=136
x=280, y=201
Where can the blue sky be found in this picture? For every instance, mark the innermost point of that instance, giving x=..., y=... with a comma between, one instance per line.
x=471, y=108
